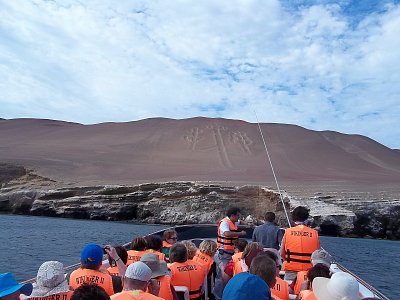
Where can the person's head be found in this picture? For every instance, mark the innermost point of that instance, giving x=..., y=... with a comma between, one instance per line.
x=178, y=253
x=265, y=267
x=208, y=247
x=273, y=254
x=341, y=286
x=300, y=214
x=233, y=213
x=320, y=256
x=90, y=292
x=50, y=280
x=154, y=242
x=240, y=245
x=251, y=251
x=318, y=270
x=269, y=216
x=91, y=257
x=191, y=249
x=246, y=286
x=158, y=268
x=139, y=244
x=10, y=289
x=170, y=236
x=122, y=253
x=137, y=276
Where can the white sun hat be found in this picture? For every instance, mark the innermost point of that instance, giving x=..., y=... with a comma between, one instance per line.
x=341, y=286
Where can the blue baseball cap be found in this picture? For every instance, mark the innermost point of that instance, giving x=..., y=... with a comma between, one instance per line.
x=9, y=285
x=92, y=255
x=246, y=286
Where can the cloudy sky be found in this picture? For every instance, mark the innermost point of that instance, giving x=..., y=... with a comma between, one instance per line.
x=323, y=65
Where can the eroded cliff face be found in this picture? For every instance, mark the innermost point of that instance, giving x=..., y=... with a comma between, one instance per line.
x=190, y=202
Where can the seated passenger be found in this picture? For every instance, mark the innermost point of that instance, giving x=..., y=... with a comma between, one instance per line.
x=191, y=249
x=89, y=292
x=246, y=286
x=298, y=243
x=240, y=245
x=341, y=286
x=319, y=270
x=184, y=272
x=10, y=289
x=123, y=255
x=89, y=273
x=137, y=281
x=281, y=288
x=160, y=273
x=264, y=267
x=319, y=256
x=205, y=253
x=154, y=245
x=50, y=283
x=138, y=248
x=170, y=237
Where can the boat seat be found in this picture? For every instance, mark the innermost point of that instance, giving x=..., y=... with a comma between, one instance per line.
x=182, y=292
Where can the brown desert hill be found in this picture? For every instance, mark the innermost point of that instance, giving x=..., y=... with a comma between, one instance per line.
x=192, y=149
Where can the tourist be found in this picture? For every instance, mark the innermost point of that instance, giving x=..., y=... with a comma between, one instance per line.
x=186, y=272
x=138, y=248
x=268, y=234
x=123, y=255
x=89, y=272
x=10, y=289
x=204, y=255
x=246, y=286
x=160, y=273
x=227, y=234
x=170, y=237
x=137, y=282
x=281, y=288
x=298, y=243
x=154, y=245
x=50, y=282
x=341, y=286
x=89, y=292
x=319, y=270
x=264, y=267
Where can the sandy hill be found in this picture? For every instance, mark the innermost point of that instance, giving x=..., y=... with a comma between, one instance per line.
x=192, y=149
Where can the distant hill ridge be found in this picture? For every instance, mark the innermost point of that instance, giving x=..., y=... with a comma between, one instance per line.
x=205, y=149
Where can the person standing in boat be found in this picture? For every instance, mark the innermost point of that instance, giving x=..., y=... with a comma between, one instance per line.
x=298, y=243
x=226, y=236
x=268, y=234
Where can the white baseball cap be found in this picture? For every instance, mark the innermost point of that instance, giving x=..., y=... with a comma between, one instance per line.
x=139, y=271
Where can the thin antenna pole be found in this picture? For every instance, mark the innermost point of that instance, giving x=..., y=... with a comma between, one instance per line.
x=272, y=168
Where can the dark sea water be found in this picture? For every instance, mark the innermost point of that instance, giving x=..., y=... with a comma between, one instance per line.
x=26, y=242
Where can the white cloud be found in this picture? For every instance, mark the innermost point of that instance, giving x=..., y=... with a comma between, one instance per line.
x=315, y=65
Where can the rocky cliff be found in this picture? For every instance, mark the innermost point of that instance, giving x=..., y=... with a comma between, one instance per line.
x=191, y=202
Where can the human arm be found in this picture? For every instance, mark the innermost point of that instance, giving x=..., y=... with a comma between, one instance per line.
x=110, y=250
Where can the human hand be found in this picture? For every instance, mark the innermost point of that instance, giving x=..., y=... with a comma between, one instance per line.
x=110, y=250
x=243, y=233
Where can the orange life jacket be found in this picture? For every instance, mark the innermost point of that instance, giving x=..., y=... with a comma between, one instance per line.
x=134, y=295
x=82, y=276
x=165, y=287
x=301, y=277
x=299, y=243
x=204, y=259
x=237, y=263
x=226, y=242
x=165, y=244
x=113, y=271
x=280, y=289
x=161, y=256
x=134, y=256
x=190, y=274
x=307, y=295
x=59, y=296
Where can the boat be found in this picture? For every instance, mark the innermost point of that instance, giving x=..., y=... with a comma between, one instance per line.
x=199, y=232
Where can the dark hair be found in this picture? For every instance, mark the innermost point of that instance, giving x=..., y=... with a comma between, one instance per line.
x=139, y=244
x=300, y=214
x=241, y=244
x=233, y=211
x=154, y=242
x=90, y=292
x=264, y=267
x=272, y=256
x=269, y=216
x=169, y=233
x=122, y=253
x=178, y=253
x=319, y=270
x=90, y=267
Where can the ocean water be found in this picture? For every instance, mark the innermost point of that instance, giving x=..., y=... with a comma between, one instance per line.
x=27, y=241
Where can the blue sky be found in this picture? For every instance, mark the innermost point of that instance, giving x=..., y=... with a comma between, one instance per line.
x=323, y=65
